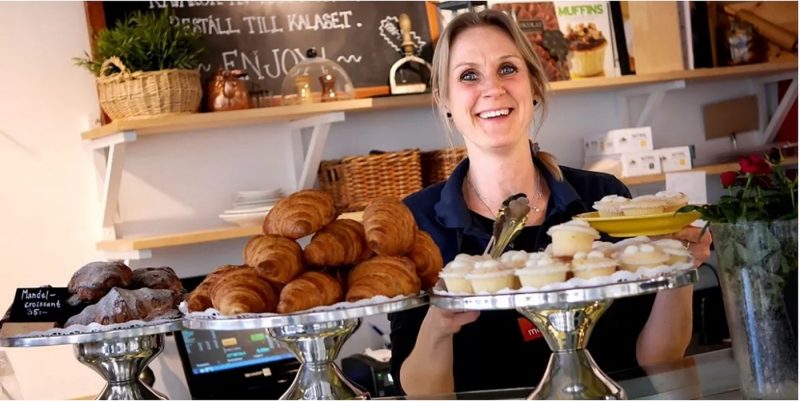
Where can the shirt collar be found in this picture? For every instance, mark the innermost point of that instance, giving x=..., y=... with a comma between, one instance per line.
x=452, y=212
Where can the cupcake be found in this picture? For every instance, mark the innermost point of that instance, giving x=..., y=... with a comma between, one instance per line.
x=514, y=259
x=674, y=249
x=491, y=276
x=644, y=255
x=672, y=200
x=542, y=270
x=610, y=205
x=588, y=49
x=642, y=206
x=593, y=264
x=454, y=273
x=572, y=237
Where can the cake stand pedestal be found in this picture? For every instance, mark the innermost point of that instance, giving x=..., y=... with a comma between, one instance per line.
x=118, y=355
x=315, y=338
x=566, y=318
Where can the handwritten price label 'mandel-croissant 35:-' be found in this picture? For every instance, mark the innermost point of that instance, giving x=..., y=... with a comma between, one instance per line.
x=43, y=304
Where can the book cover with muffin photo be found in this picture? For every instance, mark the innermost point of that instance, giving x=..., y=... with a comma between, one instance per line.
x=588, y=30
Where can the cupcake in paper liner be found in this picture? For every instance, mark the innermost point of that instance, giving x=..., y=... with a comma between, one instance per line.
x=672, y=200
x=588, y=49
x=635, y=257
x=454, y=273
x=542, y=270
x=492, y=276
x=593, y=264
x=674, y=249
x=572, y=237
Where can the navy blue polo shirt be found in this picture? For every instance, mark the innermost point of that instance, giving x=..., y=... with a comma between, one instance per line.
x=492, y=352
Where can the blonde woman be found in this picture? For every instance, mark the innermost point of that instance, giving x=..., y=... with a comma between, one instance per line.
x=487, y=84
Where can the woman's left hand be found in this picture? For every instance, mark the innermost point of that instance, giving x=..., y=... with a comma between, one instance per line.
x=699, y=246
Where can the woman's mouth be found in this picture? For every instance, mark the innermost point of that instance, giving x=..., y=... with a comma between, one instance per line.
x=491, y=114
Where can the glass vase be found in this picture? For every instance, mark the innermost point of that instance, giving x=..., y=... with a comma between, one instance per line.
x=758, y=269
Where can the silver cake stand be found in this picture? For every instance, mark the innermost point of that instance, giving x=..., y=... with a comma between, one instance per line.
x=117, y=355
x=315, y=338
x=566, y=319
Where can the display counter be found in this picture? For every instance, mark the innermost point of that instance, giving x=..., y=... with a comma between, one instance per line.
x=710, y=375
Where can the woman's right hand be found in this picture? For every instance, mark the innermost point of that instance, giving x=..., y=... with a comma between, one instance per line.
x=446, y=323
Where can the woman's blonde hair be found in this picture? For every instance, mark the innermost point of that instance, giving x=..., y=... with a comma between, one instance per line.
x=440, y=73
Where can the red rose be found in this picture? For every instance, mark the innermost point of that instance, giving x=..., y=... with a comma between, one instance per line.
x=754, y=165
x=728, y=178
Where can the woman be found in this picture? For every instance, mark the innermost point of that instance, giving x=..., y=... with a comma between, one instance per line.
x=487, y=82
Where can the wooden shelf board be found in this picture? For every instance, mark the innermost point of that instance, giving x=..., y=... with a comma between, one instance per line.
x=185, y=122
x=711, y=169
x=191, y=237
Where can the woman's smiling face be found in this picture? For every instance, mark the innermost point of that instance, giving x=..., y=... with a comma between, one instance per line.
x=490, y=95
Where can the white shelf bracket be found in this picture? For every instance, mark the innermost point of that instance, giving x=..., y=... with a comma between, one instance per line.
x=772, y=113
x=109, y=158
x=321, y=125
x=655, y=92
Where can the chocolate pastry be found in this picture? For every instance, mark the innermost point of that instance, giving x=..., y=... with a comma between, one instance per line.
x=94, y=280
x=157, y=278
x=121, y=305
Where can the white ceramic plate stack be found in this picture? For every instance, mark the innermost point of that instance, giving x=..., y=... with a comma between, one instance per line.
x=250, y=207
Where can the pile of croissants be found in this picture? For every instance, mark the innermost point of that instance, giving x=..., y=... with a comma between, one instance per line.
x=345, y=260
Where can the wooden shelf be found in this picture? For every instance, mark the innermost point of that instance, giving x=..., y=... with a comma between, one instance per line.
x=185, y=122
x=711, y=169
x=191, y=237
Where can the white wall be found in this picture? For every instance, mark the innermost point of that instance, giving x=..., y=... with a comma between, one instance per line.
x=181, y=181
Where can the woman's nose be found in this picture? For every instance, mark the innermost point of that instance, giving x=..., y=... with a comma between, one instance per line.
x=492, y=87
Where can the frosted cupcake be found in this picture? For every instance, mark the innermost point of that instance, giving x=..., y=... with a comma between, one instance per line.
x=644, y=255
x=572, y=237
x=514, y=259
x=454, y=274
x=593, y=264
x=541, y=271
x=606, y=248
x=642, y=206
x=609, y=205
x=491, y=276
x=674, y=249
x=672, y=200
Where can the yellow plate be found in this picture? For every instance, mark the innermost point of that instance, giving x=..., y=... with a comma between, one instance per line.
x=633, y=226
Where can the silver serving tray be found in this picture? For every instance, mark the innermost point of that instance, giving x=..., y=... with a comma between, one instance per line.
x=513, y=300
x=81, y=338
x=301, y=318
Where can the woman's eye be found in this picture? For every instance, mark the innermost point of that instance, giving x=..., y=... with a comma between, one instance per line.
x=508, y=69
x=468, y=76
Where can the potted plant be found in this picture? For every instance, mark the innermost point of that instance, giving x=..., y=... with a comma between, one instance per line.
x=755, y=237
x=146, y=66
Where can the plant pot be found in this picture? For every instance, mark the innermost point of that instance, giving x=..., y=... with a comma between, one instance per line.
x=758, y=275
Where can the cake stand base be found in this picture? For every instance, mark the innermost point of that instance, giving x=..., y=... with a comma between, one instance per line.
x=316, y=346
x=120, y=362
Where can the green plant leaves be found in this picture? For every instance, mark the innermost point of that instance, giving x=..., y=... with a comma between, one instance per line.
x=146, y=42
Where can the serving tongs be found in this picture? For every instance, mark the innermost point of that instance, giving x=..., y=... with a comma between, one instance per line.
x=510, y=220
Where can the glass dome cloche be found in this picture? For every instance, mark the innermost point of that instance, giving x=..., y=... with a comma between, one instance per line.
x=314, y=80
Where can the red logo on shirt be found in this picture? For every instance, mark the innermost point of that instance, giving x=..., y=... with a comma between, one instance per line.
x=529, y=331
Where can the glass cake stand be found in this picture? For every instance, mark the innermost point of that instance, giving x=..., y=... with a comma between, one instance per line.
x=566, y=318
x=315, y=338
x=119, y=355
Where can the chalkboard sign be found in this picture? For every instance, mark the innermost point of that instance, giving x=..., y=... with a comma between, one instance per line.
x=42, y=304
x=267, y=39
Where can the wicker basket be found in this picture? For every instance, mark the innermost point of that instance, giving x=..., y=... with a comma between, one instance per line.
x=355, y=181
x=147, y=93
x=437, y=165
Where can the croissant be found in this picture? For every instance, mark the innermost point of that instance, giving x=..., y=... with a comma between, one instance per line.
x=427, y=258
x=389, y=227
x=200, y=299
x=339, y=243
x=301, y=213
x=383, y=275
x=310, y=290
x=94, y=280
x=276, y=258
x=243, y=291
x=121, y=305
